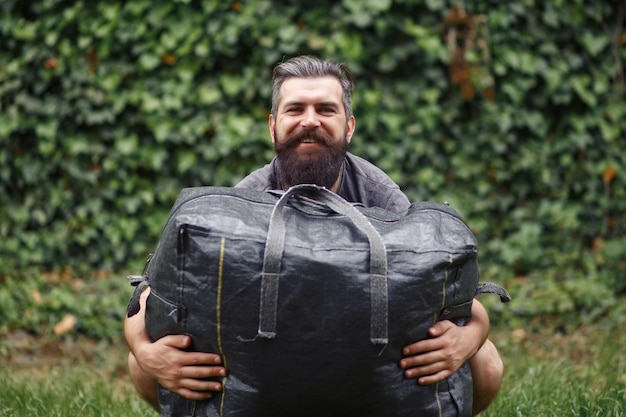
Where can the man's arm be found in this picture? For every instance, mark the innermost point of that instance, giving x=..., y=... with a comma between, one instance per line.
x=433, y=360
x=165, y=362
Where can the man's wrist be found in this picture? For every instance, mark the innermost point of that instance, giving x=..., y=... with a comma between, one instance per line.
x=475, y=332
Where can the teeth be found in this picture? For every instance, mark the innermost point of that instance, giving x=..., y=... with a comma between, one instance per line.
x=308, y=140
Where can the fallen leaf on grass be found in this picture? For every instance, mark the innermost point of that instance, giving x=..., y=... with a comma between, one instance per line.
x=519, y=335
x=66, y=325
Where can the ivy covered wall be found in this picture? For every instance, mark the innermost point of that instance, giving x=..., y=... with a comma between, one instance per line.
x=514, y=112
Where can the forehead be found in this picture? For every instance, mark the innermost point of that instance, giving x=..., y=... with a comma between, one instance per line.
x=311, y=90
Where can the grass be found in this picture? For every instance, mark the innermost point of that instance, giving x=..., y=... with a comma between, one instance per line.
x=59, y=378
x=550, y=372
x=579, y=374
x=71, y=391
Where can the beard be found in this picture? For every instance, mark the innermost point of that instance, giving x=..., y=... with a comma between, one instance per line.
x=321, y=168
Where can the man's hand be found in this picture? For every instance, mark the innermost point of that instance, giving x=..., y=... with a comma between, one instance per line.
x=435, y=359
x=179, y=371
x=164, y=361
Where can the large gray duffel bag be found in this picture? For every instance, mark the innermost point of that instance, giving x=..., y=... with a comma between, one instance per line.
x=309, y=300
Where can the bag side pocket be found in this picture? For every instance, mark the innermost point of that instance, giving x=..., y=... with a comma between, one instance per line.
x=163, y=317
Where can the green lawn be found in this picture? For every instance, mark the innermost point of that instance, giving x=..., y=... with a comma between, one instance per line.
x=549, y=373
x=66, y=378
x=580, y=374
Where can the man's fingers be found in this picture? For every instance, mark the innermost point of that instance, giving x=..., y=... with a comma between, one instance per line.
x=440, y=328
x=417, y=366
x=199, y=385
x=202, y=372
x=419, y=360
x=178, y=341
x=436, y=331
x=194, y=395
x=202, y=359
x=421, y=347
x=434, y=378
x=428, y=373
x=192, y=383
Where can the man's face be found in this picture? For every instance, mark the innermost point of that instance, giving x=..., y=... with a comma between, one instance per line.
x=311, y=132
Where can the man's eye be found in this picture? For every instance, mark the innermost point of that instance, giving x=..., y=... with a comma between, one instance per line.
x=327, y=110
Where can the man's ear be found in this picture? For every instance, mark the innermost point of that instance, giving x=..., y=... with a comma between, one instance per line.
x=350, y=126
x=271, y=123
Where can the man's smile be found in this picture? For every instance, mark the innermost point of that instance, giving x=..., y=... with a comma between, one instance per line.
x=310, y=143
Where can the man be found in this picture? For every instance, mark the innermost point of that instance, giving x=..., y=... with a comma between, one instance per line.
x=311, y=125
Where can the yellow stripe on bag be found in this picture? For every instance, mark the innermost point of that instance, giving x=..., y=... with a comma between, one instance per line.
x=438, y=400
x=220, y=273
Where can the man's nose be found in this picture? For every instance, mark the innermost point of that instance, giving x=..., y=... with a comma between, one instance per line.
x=310, y=118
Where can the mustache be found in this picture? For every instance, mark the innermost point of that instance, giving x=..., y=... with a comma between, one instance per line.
x=294, y=140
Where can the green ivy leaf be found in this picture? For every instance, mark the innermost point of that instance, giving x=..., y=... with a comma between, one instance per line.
x=581, y=84
x=185, y=160
x=127, y=145
x=594, y=44
x=149, y=61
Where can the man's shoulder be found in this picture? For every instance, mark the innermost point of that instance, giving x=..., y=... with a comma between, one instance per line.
x=364, y=168
x=261, y=179
x=367, y=184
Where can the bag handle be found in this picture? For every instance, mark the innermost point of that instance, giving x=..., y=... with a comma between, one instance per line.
x=274, y=251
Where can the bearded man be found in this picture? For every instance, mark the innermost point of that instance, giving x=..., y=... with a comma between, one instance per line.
x=311, y=125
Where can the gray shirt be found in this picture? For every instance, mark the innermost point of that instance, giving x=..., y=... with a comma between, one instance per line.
x=361, y=182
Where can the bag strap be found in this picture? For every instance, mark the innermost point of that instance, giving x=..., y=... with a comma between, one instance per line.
x=274, y=252
x=490, y=287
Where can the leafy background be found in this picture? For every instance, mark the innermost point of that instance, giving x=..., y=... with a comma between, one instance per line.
x=514, y=112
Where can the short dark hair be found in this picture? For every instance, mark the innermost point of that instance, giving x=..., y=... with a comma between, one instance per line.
x=307, y=66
